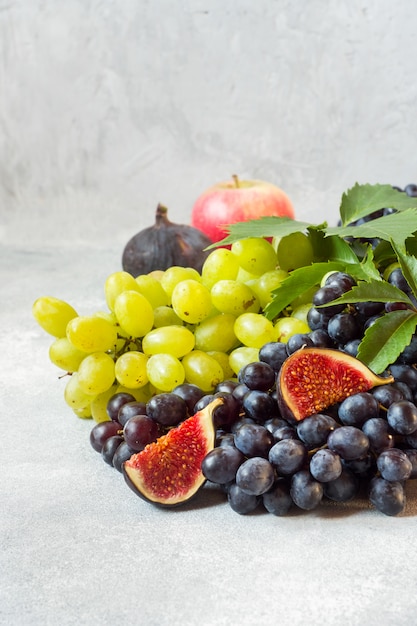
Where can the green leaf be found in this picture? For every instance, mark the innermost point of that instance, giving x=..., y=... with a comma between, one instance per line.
x=333, y=248
x=408, y=266
x=362, y=200
x=386, y=339
x=373, y=291
x=369, y=267
x=302, y=279
x=263, y=227
x=411, y=245
x=384, y=254
x=297, y=283
x=396, y=226
x=316, y=236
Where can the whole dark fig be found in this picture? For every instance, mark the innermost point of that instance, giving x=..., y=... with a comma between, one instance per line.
x=163, y=245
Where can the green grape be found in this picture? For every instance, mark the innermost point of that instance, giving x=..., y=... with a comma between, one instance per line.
x=266, y=284
x=75, y=397
x=85, y=413
x=216, y=333
x=98, y=407
x=243, y=276
x=96, y=373
x=223, y=359
x=294, y=251
x=301, y=311
x=174, y=340
x=174, y=275
x=191, y=301
x=112, y=319
x=230, y=296
x=202, y=370
x=221, y=264
x=241, y=356
x=255, y=255
x=134, y=313
x=109, y=316
x=117, y=283
x=156, y=274
x=165, y=371
x=387, y=272
x=254, y=330
x=155, y=390
x=64, y=355
x=143, y=394
x=53, y=315
x=165, y=316
x=130, y=369
x=288, y=326
x=151, y=288
x=90, y=333
x=328, y=274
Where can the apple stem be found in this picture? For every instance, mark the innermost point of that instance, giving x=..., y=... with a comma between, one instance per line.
x=236, y=179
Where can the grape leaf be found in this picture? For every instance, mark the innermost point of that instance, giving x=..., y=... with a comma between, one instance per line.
x=333, y=247
x=297, y=283
x=411, y=245
x=316, y=236
x=303, y=278
x=373, y=291
x=368, y=265
x=396, y=227
x=408, y=265
x=270, y=226
x=384, y=254
x=362, y=200
x=386, y=338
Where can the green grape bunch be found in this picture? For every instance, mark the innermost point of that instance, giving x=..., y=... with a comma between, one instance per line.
x=165, y=328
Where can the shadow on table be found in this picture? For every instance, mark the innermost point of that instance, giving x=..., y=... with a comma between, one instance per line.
x=211, y=495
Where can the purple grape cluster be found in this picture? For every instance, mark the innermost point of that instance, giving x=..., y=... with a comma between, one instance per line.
x=364, y=444
x=367, y=443
x=133, y=424
x=342, y=327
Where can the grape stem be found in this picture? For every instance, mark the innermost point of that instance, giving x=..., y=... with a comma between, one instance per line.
x=314, y=450
x=128, y=340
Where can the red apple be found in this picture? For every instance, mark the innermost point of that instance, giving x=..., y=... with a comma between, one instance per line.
x=237, y=200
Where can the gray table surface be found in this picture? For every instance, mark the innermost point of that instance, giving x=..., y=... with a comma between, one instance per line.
x=78, y=547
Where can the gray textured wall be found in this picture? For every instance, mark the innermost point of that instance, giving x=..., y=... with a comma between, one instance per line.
x=108, y=107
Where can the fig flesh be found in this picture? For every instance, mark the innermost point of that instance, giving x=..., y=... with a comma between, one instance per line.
x=163, y=245
x=168, y=471
x=312, y=379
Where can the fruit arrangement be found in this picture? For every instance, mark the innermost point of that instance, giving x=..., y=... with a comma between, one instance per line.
x=283, y=371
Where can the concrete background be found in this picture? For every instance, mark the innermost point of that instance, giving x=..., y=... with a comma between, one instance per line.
x=108, y=107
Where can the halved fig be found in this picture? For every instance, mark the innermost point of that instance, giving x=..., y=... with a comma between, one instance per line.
x=312, y=379
x=168, y=471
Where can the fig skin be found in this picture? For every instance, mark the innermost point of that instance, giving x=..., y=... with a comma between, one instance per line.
x=173, y=453
x=321, y=370
x=164, y=245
